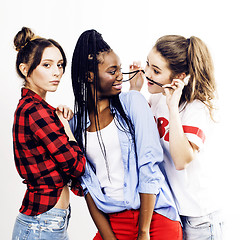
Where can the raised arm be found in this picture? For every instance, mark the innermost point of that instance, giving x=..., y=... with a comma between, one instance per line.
x=182, y=151
x=48, y=129
x=65, y=123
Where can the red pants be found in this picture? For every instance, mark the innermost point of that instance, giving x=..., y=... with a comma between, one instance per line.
x=125, y=227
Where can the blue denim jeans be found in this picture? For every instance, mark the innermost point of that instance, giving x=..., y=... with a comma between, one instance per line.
x=209, y=227
x=49, y=225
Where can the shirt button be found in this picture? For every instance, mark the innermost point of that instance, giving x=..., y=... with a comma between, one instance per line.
x=125, y=184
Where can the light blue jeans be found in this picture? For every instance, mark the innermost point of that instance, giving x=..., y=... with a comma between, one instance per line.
x=209, y=227
x=49, y=225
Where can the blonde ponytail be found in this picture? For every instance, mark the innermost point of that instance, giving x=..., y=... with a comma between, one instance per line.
x=190, y=56
x=202, y=84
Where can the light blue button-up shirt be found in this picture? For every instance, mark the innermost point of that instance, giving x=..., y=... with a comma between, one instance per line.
x=143, y=171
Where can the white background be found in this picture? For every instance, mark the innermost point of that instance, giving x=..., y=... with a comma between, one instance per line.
x=130, y=28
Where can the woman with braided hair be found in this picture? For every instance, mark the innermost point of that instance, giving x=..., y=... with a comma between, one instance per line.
x=124, y=184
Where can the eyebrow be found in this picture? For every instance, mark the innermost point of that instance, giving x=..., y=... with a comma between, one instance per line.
x=51, y=60
x=155, y=65
x=114, y=66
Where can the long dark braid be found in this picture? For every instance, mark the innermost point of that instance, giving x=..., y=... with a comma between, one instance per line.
x=89, y=45
x=84, y=60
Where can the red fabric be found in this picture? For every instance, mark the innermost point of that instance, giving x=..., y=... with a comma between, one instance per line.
x=162, y=123
x=125, y=227
x=44, y=157
x=196, y=131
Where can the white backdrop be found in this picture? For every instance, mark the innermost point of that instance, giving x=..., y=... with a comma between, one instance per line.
x=131, y=28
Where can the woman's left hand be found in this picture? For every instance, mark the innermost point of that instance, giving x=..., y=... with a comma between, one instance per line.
x=173, y=93
x=143, y=236
x=66, y=111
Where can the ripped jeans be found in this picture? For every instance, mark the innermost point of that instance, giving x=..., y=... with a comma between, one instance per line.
x=49, y=225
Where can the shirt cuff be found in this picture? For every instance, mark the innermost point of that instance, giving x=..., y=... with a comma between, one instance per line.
x=73, y=143
x=149, y=188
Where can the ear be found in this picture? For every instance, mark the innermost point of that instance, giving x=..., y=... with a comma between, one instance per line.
x=181, y=76
x=90, y=76
x=23, y=67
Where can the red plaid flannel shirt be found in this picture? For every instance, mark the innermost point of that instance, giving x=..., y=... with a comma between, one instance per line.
x=44, y=157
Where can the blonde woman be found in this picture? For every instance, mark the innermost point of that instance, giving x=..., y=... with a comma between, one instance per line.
x=180, y=77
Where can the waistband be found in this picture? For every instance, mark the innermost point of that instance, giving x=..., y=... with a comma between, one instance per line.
x=55, y=212
x=210, y=216
x=124, y=213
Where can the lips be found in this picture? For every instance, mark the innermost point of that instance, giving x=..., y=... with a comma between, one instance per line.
x=118, y=86
x=56, y=82
x=150, y=83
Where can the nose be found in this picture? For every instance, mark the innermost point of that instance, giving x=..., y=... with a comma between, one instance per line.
x=120, y=76
x=147, y=72
x=56, y=71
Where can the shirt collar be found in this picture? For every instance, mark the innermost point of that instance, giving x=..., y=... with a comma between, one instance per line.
x=27, y=92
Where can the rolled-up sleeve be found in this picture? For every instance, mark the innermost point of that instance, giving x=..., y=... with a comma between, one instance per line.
x=48, y=129
x=148, y=147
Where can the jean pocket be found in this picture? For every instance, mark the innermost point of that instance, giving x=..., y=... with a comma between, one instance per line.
x=197, y=224
x=21, y=229
x=24, y=221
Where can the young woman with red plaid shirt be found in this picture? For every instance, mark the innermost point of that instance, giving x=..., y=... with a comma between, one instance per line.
x=46, y=154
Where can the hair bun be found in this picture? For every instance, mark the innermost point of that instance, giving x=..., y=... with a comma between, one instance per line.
x=23, y=37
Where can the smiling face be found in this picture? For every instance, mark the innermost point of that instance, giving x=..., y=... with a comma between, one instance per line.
x=110, y=75
x=157, y=69
x=47, y=75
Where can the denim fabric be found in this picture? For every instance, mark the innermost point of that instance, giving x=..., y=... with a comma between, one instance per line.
x=49, y=225
x=142, y=161
x=209, y=227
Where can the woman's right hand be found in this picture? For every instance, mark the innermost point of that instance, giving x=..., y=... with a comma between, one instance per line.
x=66, y=111
x=173, y=93
x=66, y=125
x=61, y=117
x=136, y=83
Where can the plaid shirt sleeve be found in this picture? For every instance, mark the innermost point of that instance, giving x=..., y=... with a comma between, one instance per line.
x=48, y=129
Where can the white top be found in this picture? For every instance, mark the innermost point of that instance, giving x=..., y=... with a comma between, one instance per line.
x=112, y=184
x=192, y=186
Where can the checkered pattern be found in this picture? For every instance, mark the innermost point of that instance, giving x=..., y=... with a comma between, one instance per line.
x=44, y=157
